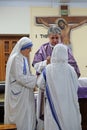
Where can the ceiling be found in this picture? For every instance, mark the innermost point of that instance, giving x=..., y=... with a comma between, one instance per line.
x=63, y=1
x=71, y=1
x=42, y=2
x=58, y=1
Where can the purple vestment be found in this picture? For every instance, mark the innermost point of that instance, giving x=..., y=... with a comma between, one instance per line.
x=46, y=50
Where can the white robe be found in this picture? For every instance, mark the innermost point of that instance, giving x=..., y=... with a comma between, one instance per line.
x=19, y=96
x=63, y=85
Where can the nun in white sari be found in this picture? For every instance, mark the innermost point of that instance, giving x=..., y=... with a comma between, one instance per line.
x=61, y=83
x=19, y=96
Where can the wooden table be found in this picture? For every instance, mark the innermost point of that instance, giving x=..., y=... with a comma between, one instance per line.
x=8, y=127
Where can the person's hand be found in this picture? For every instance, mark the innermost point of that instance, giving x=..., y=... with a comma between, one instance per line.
x=48, y=60
x=40, y=20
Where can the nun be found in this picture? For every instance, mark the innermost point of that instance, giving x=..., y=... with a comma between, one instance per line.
x=19, y=86
x=60, y=82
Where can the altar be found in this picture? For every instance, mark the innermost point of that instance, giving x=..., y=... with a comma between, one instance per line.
x=82, y=98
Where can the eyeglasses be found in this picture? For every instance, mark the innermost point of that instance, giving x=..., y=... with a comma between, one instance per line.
x=55, y=38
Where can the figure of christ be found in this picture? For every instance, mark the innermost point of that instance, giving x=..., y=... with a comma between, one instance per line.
x=65, y=28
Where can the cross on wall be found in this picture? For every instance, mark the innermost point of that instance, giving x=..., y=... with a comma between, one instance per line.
x=64, y=15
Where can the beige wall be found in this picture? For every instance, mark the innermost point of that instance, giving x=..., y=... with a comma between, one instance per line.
x=78, y=36
x=79, y=41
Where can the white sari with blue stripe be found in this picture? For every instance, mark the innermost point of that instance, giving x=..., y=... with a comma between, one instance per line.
x=61, y=83
x=51, y=104
x=19, y=97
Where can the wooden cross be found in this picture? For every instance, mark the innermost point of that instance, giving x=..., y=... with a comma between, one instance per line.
x=64, y=15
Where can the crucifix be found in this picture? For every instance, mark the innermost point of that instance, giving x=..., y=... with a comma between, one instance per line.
x=66, y=24
x=64, y=15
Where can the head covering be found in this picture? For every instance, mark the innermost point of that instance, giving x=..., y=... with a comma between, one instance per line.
x=24, y=42
x=26, y=46
x=59, y=54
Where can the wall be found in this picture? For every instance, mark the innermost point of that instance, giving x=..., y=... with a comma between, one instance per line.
x=79, y=41
x=14, y=20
